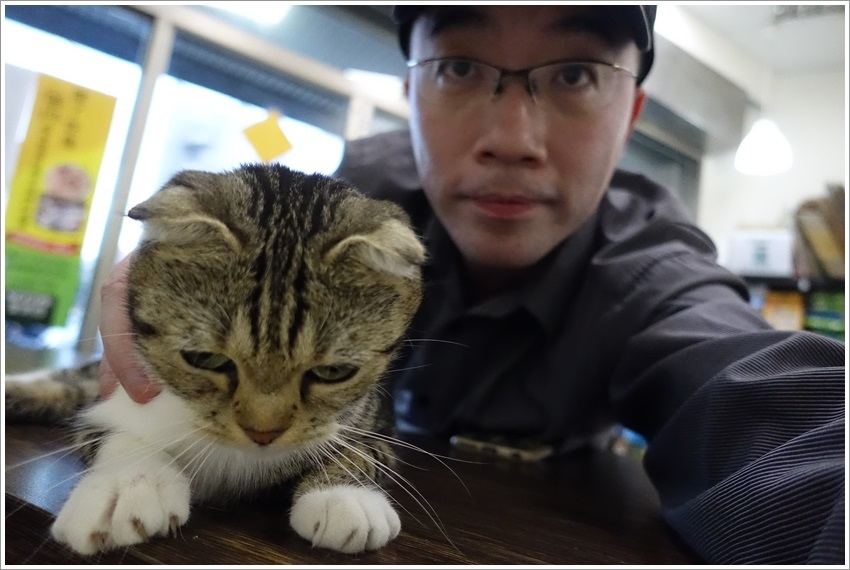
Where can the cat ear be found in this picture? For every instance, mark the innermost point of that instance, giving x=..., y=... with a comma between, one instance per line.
x=392, y=248
x=175, y=216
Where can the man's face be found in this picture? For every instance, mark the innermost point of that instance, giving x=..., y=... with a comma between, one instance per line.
x=510, y=179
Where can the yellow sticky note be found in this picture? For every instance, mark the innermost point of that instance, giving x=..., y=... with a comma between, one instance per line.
x=267, y=138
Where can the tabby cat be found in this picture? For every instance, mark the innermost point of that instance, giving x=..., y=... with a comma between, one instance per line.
x=268, y=304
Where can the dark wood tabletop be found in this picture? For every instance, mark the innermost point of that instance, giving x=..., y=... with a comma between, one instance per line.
x=585, y=508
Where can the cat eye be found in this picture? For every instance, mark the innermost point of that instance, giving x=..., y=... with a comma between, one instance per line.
x=336, y=373
x=214, y=361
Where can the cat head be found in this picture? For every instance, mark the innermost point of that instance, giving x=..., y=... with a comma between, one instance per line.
x=272, y=301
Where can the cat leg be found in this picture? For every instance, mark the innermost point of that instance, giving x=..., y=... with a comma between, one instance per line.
x=127, y=497
x=348, y=518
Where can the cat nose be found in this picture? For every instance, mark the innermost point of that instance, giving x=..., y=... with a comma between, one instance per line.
x=262, y=437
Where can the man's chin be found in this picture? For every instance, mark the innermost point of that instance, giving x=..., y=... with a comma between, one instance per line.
x=508, y=247
x=505, y=259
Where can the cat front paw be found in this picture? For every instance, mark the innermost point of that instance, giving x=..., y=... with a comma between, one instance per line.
x=120, y=507
x=346, y=518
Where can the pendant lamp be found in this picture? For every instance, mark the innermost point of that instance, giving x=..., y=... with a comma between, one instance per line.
x=764, y=151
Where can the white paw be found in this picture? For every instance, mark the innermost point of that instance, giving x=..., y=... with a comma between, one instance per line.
x=118, y=507
x=345, y=518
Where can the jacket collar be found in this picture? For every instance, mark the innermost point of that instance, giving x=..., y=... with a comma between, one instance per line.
x=545, y=294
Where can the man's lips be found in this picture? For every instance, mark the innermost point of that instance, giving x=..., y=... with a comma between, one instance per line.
x=503, y=207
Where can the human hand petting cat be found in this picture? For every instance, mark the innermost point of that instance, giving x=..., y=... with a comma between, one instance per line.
x=120, y=364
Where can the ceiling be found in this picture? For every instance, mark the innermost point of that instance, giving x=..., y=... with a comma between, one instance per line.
x=787, y=38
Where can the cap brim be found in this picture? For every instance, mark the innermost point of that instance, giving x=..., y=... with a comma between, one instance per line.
x=639, y=19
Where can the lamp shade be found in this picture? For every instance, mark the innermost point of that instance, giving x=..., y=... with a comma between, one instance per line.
x=764, y=151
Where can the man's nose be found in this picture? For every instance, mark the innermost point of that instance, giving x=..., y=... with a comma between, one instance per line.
x=521, y=78
x=513, y=125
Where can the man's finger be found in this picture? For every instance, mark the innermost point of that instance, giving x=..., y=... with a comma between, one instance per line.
x=119, y=352
x=108, y=380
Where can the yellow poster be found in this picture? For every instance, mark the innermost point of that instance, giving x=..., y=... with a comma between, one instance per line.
x=57, y=168
x=50, y=198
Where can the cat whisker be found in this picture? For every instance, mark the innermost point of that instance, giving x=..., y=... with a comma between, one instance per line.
x=404, y=484
x=344, y=442
x=111, y=336
x=369, y=460
x=124, y=555
x=332, y=456
x=46, y=491
x=380, y=388
x=119, y=459
x=315, y=454
x=152, y=448
x=188, y=448
x=395, y=370
x=180, y=439
x=64, y=451
x=196, y=470
x=366, y=445
x=377, y=465
x=38, y=548
x=411, y=341
x=401, y=443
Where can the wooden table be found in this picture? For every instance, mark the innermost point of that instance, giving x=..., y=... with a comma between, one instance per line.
x=589, y=508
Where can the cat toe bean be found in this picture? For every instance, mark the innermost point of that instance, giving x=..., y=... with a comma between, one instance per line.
x=345, y=518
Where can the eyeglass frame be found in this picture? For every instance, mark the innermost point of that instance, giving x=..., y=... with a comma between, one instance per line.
x=524, y=73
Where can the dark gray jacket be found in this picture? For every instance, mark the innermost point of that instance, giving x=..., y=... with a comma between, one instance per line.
x=632, y=321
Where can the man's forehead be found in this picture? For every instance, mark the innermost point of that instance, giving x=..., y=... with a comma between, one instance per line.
x=606, y=22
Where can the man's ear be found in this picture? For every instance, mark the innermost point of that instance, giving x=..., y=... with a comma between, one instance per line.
x=391, y=248
x=637, y=107
x=173, y=215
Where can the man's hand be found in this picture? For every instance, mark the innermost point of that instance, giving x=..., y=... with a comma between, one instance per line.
x=120, y=360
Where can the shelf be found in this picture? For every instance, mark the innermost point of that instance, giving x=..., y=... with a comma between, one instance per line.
x=803, y=285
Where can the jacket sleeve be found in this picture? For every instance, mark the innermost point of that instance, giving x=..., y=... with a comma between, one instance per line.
x=746, y=431
x=745, y=423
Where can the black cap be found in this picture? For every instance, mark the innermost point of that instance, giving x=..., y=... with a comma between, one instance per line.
x=639, y=20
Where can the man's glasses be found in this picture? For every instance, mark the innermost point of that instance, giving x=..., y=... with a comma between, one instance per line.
x=571, y=87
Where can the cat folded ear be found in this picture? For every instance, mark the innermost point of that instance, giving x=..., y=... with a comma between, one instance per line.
x=392, y=248
x=174, y=215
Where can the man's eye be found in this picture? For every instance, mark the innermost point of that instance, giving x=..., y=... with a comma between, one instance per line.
x=574, y=76
x=456, y=69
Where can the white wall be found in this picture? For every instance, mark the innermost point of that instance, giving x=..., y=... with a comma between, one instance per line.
x=810, y=108
x=811, y=111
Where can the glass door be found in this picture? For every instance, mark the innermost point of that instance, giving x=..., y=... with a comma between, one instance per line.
x=200, y=112
x=60, y=171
